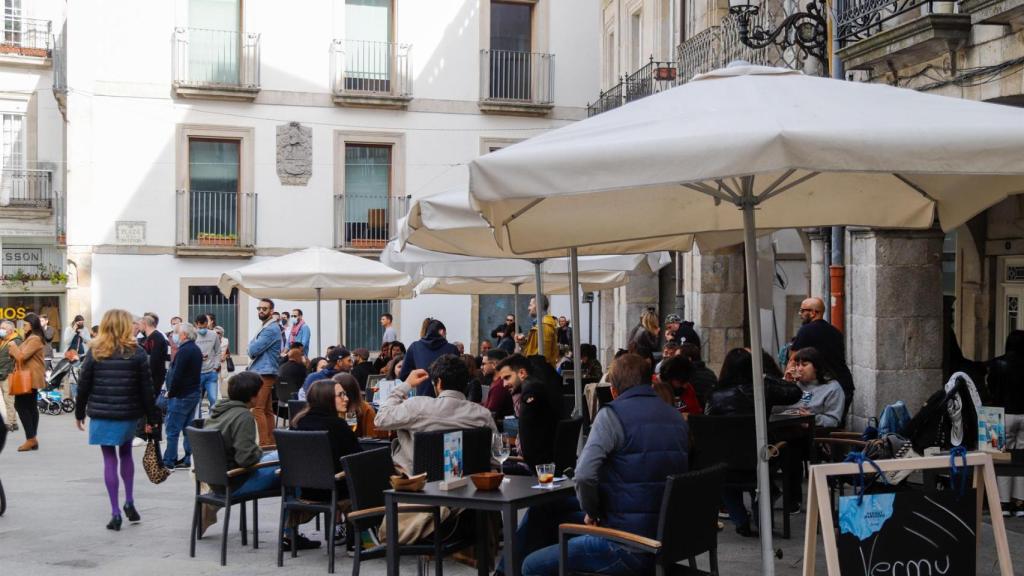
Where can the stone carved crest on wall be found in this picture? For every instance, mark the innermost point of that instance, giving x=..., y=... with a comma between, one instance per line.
x=294, y=154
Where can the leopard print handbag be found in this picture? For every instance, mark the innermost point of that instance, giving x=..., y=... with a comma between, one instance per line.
x=152, y=462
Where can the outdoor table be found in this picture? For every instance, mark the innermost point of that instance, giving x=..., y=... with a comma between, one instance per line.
x=367, y=443
x=781, y=427
x=515, y=494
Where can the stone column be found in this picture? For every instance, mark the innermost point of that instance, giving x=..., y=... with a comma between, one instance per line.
x=715, y=300
x=895, y=322
x=621, y=309
x=819, y=278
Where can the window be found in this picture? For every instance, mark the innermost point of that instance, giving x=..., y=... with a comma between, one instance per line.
x=214, y=198
x=368, y=45
x=12, y=22
x=362, y=323
x=214, y=41
x=12, y=162
x=511, y=44
x=636, y=26
x=367, y=199
x=209, y=300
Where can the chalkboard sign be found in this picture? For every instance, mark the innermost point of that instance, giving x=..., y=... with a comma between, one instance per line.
x=904, y=533
x=907, y=533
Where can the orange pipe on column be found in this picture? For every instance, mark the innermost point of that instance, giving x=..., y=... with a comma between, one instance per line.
x=837, y=284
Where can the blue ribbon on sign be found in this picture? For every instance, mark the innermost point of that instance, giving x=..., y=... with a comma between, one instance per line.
x=958, y=473
x=859, y=459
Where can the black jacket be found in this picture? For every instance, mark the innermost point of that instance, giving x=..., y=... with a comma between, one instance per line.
x=292, y=373
x=738, y=399
x=159, y=353
x=421, y=354
x=704, y=381
x=505, y=328
x=540, y=410
x=361, y=372
x=343, y=442
x=117, y=388
x=1006, y=382
x=185, y=370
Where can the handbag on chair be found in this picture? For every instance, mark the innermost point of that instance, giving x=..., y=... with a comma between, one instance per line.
x=20, y=381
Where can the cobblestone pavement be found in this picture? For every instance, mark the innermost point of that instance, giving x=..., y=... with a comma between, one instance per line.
x=57, y=511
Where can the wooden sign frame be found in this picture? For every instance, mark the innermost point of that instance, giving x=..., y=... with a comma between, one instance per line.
x=819, y=505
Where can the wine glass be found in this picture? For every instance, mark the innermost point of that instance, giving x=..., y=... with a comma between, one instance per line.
x=352, y=419
x=501, y=446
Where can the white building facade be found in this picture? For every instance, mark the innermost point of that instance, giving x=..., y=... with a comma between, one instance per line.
x=203, y=135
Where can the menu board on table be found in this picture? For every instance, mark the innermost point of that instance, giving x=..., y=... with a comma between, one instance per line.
x=453, y=462
x=991, y=429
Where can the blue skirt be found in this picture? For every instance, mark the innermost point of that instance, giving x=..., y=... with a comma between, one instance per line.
x=111, y=432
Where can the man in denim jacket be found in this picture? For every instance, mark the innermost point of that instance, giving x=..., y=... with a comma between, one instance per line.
x=264, y=350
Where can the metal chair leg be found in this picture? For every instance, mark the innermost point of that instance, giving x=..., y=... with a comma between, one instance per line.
x=353, y=536
x=224, y=537
x=255, y=524
x=194, y=534
x=243, y=525
x=280, y=535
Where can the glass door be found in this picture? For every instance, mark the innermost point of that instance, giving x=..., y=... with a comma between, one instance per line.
x=214, y=42
x=511, y=45
x=369, y=48
x=214, y=199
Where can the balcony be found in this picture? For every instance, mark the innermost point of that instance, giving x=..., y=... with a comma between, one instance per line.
x=33, y=266
x=214, y=223
x=516, y=83
x=60, y=73
x=1004, y=12
x=216, y=64
x=25, y=42
x=371, y=74
x=653, y=77
x=897, y=33
x=26, y=194
x=367, y=222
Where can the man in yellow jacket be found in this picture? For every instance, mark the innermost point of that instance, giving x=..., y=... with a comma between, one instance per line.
x=550, y=326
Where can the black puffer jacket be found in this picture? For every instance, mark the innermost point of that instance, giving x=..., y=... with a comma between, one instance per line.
x=118, y=388
x=736, y=399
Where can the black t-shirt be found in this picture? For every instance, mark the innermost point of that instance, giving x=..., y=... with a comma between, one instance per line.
x=824, y=338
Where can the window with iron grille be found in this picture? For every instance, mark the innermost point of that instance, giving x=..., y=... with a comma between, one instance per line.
x=209, y=300
x=362, y=323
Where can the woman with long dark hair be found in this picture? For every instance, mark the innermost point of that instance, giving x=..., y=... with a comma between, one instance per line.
x=357, y=406
x=115, y=389
x=325, y=400
x=30, y=354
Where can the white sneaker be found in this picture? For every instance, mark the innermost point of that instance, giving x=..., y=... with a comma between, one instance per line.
x=138, y=442
x=1019, y=513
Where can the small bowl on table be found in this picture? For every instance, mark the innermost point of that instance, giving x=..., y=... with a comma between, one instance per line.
x=410, y=484
x=487, y=480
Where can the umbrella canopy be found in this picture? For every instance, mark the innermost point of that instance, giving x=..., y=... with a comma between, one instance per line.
x=422, y=263
x=553, y=284
x=803, y=151
x=444, y=220
x=299, y=276
x=821, y=152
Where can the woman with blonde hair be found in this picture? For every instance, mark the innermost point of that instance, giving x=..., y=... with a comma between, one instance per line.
x=115, y=389
x=643, y=340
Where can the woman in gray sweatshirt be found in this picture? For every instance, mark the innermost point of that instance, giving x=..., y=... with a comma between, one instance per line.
x=823, y=396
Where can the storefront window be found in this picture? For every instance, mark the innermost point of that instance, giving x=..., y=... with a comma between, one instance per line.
x=16, y=306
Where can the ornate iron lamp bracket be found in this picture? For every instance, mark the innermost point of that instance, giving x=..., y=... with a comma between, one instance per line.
x=807, y=30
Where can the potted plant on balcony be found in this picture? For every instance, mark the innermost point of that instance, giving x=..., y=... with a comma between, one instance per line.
x=213, y=239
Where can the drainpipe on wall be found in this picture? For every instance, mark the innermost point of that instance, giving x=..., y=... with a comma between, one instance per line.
x=837, y=270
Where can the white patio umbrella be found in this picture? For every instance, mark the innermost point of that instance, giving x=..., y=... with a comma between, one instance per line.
x=797, y=150
x=317, y=273
x=553, y=284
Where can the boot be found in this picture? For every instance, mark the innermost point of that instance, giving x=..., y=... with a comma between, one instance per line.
x=30, y=444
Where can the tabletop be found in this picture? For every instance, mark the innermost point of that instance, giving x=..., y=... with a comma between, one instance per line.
x=518, y=491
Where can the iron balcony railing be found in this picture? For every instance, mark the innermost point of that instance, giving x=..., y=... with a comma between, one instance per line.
x=608, y=100
x=25, y=36
x=863, y=18
x=517, y=77
x=26, y=188
x=216, y=219
x=368, y=68
x=367, y=222
x=216, y=59
x=651, y=78
x=715, y=47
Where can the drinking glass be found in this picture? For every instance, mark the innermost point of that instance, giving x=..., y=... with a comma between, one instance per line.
x=352, y=419
x=502, y=447
x=546, y=474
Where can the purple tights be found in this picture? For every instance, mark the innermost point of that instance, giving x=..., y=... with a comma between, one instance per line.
x=110, y=454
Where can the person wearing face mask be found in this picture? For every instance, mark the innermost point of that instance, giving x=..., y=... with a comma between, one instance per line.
x=30, y=354
x=183, y=393
x=299, y=331
x=7, y=335
x=209, y=344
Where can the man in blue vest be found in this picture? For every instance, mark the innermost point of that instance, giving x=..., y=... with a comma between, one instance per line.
x=620, y=477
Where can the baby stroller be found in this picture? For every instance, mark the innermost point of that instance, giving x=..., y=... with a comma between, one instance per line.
x=67, y=368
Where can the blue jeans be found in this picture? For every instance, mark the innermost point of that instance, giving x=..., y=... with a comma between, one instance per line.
x=180, y=412
x=207, y=383
x=732, y=499
x=539, y=526
x=261, y=479
x=589, y=554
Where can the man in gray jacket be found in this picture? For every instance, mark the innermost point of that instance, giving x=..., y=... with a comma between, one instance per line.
x=449, y=409
x=209, y=344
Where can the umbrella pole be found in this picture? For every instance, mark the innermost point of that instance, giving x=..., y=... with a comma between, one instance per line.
x=574, y=294
x=764, y=500
x=318, y=330
x=541, y=310
x=515, y=306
